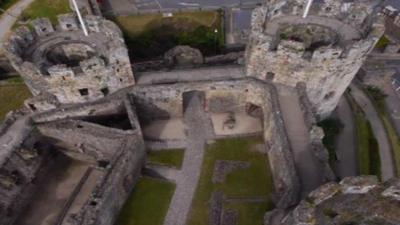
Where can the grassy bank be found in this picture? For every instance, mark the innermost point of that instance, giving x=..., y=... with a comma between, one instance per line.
x=6, y=4
x=150, y=36
x=332, y=128
x=148, y=203
x=45, y=8
x=171, y=157
x=253, y=181
x=13, y=93
x=368, y=149
x=378, y=99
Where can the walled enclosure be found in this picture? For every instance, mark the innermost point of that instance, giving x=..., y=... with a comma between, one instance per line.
x=62, y=62
x=324, y=50
x=116, y=155
x=166, y=101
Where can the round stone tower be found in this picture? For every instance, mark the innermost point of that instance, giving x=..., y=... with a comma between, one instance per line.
x=324, y=50
x=66, y=66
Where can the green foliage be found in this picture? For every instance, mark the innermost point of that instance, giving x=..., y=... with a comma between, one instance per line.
x=377, y=96
x=151, y=36
x=148, y=203
x=45, y=8
x=382, y=43
x=12, y=97
x=332, y=128
x=170, y=157
x=253, y=181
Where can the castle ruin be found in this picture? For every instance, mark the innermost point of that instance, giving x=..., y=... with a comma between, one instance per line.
x=325, y=50
x=86, y=125
x=61, y=65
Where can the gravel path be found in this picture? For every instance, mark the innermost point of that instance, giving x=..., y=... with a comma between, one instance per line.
x=198, y=128
x=346, y=150
x=7, y=21
x=379, y=131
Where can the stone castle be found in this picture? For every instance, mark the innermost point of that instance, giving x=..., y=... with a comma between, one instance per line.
x=324, y=50
x=87, y=110
x=64, y=65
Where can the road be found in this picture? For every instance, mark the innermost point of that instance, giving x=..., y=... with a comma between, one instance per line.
x=185, y=4
x=346, y=150
x=127, y=7
x=385, y=151
x=7, y=21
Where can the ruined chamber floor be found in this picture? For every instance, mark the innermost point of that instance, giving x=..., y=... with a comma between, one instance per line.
x=54, y=192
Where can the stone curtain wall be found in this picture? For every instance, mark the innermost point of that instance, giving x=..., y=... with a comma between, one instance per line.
x=324, y=51
x=166, y=102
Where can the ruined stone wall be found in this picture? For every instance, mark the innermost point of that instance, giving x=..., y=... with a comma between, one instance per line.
x=163, y=101
x=355, y=200
x=84, y=141
x=63, y=62
x=19, y=168
x=324, y=50
x=116, y=155
x=392, y=22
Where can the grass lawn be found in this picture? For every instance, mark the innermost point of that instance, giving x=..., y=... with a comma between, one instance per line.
x=45, y=8
x=134, y=25
x=148, y=203
x=12, y=97
x=368, y=149
x=150, y=36
x=170, y=157
x=251, y=182
x=378, y=99
x=332, y=128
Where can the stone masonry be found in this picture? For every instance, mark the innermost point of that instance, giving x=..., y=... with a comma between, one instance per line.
x=62, y=62
x=324, y=50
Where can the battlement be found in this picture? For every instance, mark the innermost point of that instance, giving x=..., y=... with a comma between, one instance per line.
x=324, y=50
x=356, y=13
x=60, y=60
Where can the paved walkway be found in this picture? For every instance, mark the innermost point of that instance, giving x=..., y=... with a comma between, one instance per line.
x=346, y=151
x=299, y=137
x=379, y=131
x=7, y=21
x=198, y=128
x=190, y=75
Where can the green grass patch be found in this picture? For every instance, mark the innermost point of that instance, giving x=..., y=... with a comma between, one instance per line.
x=45, y=8
x=368, y=149
x=170, y=157
x=148, y=203
x=332, y=128
x=253, y=181
x=150, y=36
x=12, y=80
x=378, y=99
x=382, y=43
x=12, y=97
x=250, y=213
x=6, y=4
